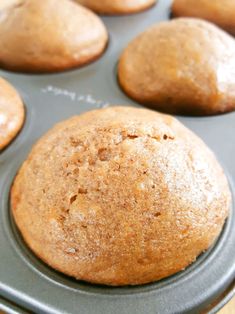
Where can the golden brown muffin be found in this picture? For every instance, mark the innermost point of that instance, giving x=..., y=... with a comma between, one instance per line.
x=11, y=113
x=120, y=196
x=49, y=35
x=117, y=6
x=220, y=12
x=185, y=66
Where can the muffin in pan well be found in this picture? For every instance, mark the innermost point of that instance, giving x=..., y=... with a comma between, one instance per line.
x=184, y=66
x=120, y=196
x=49, y=35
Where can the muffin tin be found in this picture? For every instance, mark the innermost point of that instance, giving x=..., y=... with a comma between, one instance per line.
x=27, y=284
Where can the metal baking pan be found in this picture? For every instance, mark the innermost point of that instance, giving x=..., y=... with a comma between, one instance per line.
x=33, y=286
x=10, y=307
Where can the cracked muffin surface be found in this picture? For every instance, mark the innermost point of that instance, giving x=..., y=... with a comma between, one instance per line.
x=120, y=196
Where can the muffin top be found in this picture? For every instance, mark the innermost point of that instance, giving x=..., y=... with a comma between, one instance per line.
x=49, y=35
x=219, y=12
x=117, y=6
x=184, y=66
x=11, y=113
x=120, y=196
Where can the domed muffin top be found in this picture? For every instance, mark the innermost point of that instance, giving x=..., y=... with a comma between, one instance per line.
x=49, y=35
x=185, y=66
x=120, y=196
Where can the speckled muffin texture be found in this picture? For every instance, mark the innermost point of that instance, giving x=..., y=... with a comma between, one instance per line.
x=184, y=66
x=11, y=113
x=220, y=12
x=117, y=6
x=120, y=196
x=49, y=35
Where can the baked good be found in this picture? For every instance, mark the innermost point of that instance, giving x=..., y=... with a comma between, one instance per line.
x=49, y=35
x=11, y=113
x=117, y=6
x=219, y=12
x=184, y=66
x=120, y=196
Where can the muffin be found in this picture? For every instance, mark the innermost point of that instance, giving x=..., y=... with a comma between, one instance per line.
x=49, y=35
x=184, y=66
x=11, y=113
x=120, y=196
x=117, y=6
x=219, y=12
